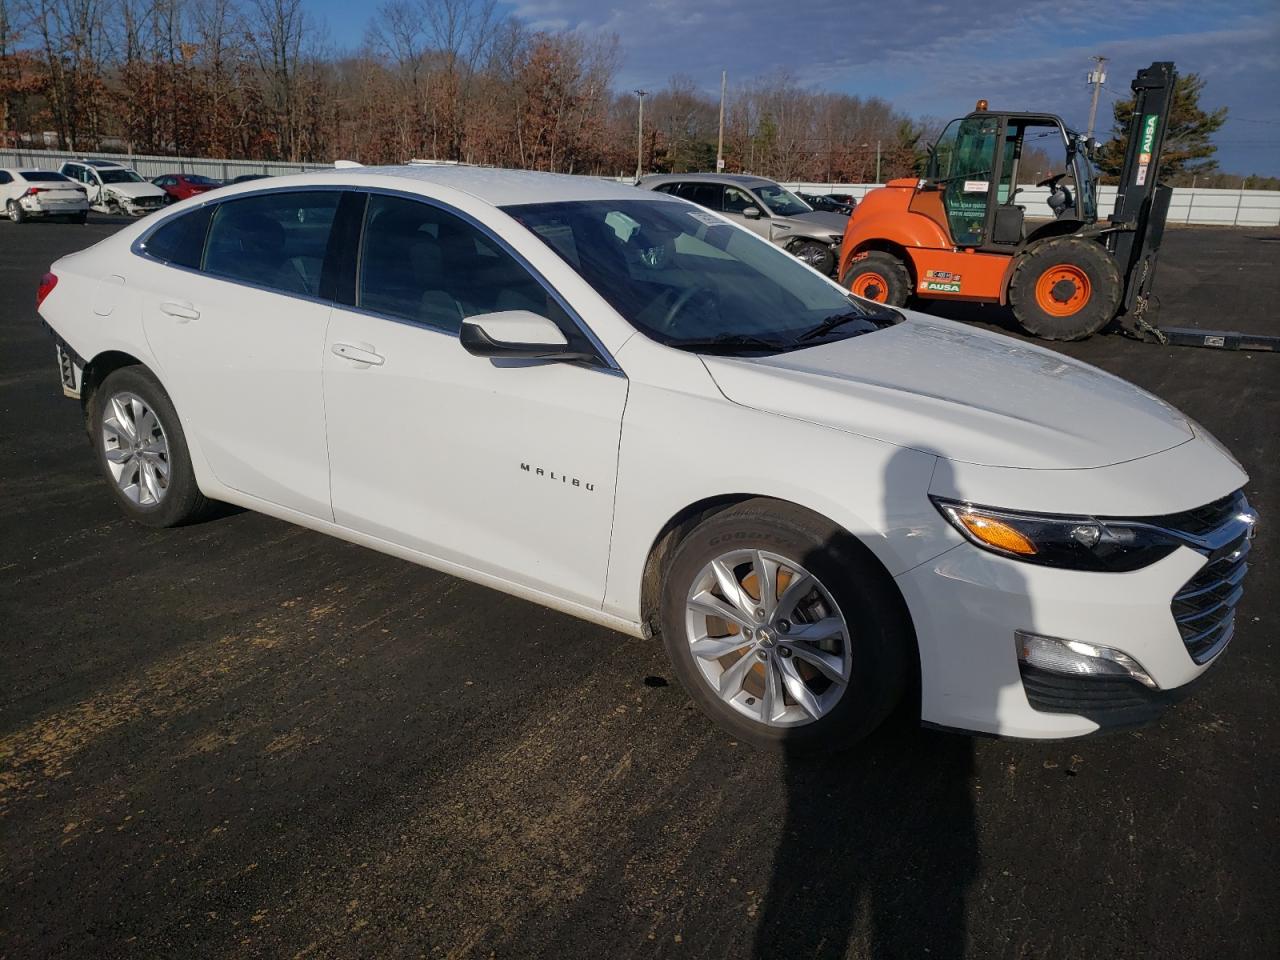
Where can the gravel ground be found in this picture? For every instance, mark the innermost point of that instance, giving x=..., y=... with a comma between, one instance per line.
x=243, y=739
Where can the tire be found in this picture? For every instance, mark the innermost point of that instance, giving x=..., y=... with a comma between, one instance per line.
x=81, y=218
x=871, y=647
x=1067, y=288
x=878, y=276
x=16, y=213
x=138, y=481
x=815, y=254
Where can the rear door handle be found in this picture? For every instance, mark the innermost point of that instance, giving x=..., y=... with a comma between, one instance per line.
x=182, y=310
x=349, y=351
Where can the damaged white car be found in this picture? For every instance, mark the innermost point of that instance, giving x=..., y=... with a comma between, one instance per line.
x=114, y=188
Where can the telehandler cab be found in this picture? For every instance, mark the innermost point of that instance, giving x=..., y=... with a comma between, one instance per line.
x=960, y=234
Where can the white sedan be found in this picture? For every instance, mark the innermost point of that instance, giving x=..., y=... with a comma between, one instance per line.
x=41, y=193
x=624, y=407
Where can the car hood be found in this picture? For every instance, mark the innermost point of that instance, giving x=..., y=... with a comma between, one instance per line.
x=821, y=221
x=133, y=191
x=960, y=393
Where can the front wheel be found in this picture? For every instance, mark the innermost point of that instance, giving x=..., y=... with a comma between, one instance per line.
x=815, y=254
x=142, y=451
x=878, y=276
x=1067, y=288
x=783, y=629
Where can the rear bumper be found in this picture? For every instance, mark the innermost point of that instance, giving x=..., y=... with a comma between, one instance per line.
x=34, y=207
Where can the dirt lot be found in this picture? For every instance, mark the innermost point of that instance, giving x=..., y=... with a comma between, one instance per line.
x=243, y=739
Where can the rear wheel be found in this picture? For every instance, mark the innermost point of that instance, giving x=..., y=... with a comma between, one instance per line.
x=783, y=629
x=16, y=213
x=878, y=276
x=142, y=451
x=1065, y=289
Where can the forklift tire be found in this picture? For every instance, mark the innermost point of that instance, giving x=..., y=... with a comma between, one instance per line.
x=878, y=276
x=1067, y=288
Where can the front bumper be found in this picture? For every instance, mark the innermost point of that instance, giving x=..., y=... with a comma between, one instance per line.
x=967, y=605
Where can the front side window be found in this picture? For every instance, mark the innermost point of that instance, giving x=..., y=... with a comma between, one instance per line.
x=688, y=279
x=274, y=240
x=735, y=200
x=781, y=201
x=423, y=264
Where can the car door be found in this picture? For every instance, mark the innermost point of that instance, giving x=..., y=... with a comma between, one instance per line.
x=7, y=190
x=736, y=200
x=232, y=310
x=503, y=467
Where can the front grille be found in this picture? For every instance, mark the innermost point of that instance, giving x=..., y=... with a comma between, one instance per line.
x=1205, y=608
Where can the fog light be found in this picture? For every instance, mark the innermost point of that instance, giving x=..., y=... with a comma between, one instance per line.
x=1073, y=658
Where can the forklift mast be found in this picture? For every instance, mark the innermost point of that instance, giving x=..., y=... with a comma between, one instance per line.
x=1142, y=204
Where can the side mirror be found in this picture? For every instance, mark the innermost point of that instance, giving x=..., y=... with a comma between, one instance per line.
x=751, y=213
x=516, y=335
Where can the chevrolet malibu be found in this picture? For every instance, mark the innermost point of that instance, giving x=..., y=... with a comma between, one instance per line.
x=624, y=407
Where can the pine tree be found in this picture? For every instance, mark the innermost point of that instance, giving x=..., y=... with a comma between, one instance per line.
x=1188, y=144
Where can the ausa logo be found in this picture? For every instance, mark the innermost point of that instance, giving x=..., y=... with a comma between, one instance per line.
x=564, y=478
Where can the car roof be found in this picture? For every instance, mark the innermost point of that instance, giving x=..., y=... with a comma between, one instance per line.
x=737, y=179
x=102, y=164
x=507, y=187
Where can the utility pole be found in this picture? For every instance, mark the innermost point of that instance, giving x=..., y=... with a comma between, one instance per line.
x=640, y=135
x=720, y=137
x=877, y=161
x=1097, y=77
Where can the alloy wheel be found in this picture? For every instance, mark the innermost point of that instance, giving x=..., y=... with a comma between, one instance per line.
x=768, y=638
x=136, y=449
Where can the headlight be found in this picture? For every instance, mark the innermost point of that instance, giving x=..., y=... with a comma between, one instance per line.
x=1076, y=543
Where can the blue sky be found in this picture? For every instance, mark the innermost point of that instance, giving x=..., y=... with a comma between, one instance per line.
x=933, y=58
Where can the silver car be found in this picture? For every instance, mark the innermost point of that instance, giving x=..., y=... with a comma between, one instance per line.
x=764, y=206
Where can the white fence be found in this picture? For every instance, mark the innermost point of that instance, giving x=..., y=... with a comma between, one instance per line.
x=1245, y=208
x=150, y=166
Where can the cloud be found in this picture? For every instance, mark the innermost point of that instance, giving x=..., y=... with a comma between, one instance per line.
x=932, y=58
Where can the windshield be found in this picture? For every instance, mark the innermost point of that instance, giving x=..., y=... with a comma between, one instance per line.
x=119, y=176
x=781, y=201
x=685, y=277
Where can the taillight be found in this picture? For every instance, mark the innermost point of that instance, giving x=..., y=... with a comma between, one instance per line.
x=47, y=283
x=32, y=191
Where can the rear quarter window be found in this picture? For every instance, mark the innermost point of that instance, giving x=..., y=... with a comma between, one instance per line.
x=180, y=241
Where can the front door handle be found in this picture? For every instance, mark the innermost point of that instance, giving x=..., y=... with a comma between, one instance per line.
x=180, y=309
x=349, y=351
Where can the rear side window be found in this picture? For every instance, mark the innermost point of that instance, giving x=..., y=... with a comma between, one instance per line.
x=703, y=194
x=273, y=240
x=423, y=264
x=180, y=241
x=5, y=178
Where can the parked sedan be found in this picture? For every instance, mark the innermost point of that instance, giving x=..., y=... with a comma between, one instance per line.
x=764, y=207
x=180, y=186
x=627, y=408
x=41, y=193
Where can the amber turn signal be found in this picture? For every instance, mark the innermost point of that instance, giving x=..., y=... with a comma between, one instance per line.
x=996, y=533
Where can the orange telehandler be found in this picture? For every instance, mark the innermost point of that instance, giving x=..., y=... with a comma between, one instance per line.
x=959, y=233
